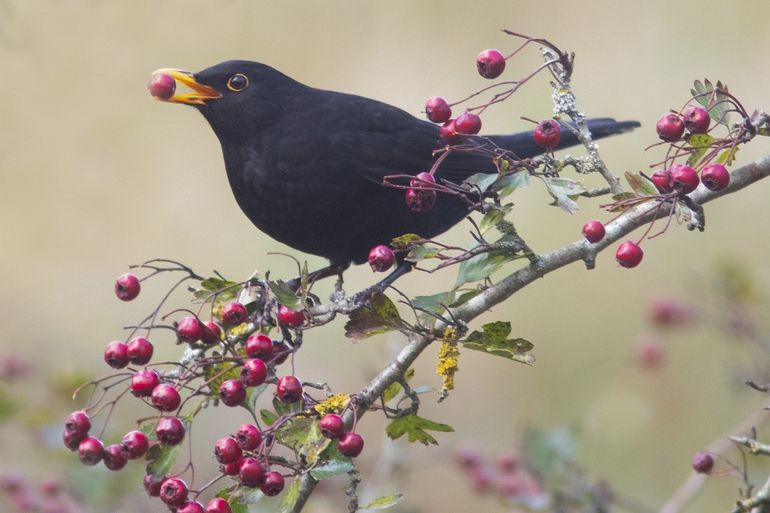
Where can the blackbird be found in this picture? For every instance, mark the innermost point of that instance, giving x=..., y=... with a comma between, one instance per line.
x=306, y=165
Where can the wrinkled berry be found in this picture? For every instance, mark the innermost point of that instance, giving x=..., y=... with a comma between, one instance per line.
x=696, y=120
x=490, y=63
x=259, y=346
x=251, y=472
x=685, y=179
x=116, y=354
x=90, y=450
x=165, y=397
x=77, y=422
x=547, y=134
x=468, y=123
x=227, y=450
x=437, y=109
x=189, y=330
x=331, y=426
x=272, y=484
x=670, y=127
x=127, y=287
x=114, y=457
x=152, y=485
x=702, y=462
x=254, y=372
x=144, y=382
x=169, y=431
x=420, y=200
x=234, y=313
x=139, y=351
x=232, y=392
x=715, y=177
x=135, y=444
x=381, y=258
x=289, y=389
x=173, y=491
x=248, y=437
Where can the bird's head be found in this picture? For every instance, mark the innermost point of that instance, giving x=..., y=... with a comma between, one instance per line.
x=237, y=98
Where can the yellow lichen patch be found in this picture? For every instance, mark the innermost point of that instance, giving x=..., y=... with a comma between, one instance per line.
x=239, y=330
x=333, y=404
x=448, y=356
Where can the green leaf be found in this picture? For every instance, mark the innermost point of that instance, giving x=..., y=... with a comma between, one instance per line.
x=717, y=104
x=379, y=315
x=394, y=389
x=563, y=191
x=290, y=496
x=226, y=289
x=421, y=252
x=294, y=432
x=494, y=339
x=162, y=461
x=434, y=303
x=641, y=185
x=384, y=502
x=547, y=450
x=235, y=504
x=622, y=196
x=701, y=143
x=416, y=429
x=331, y=469
x=282, y=408
x=285, y=295
x=483, y=265
x=506, y=184
x=8, y=406
x=465, y=297
x=727, y=157
x=493, y=217
x=268, y=417
x=245, y=496
x=481, y=180
x=313, y=444
x=252, y=394
x=404, y=242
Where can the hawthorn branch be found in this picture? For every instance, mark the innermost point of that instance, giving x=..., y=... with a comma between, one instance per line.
x=549, y=262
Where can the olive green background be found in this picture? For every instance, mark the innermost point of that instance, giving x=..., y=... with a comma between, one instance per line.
x=95, y=176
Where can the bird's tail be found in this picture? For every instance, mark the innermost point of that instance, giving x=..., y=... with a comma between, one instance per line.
x=524, y=146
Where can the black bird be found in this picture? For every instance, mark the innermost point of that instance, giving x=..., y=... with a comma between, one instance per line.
x=306, y=165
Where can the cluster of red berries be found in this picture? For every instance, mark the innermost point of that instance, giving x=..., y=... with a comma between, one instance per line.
x=507, y=477
x=628, y=254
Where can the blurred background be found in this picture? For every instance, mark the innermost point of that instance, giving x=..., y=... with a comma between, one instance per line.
x=96, y=176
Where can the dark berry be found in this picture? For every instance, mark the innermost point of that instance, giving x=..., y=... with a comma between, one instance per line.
x=152, y=485
x=663, y=180
x=232, y=392
x=593, y=231
x=218, y=505
x=281, y=352
x=77, y=422
x=144, y=382
x=702, y=462
x=135, y=444
x=420, y=200
x=670, y=127
x=696, y=120
x=715, y=177
x=272, y=484
x=254, y=372
x=331, y=426
x=169, y=431
x=173, y=491
x=212, y=333
x=90, y=450
x=437, y=109
x=468, y=123
x=448, y=132
x=234, y=313
x=189, y=330
x=230, y=469
x=251, y=472
x=72, y=439
x=685, y=179
x=162, y=86
x=259, y=345
x=139, y=351
x=490, y=63
x=191, y=507
x=227, y=450
x=350, y=444
x=291, y=318
x=127, y=287
x=116, y=354
x=114, y=457
x=289, y=389
x=547, y=134
x=165, y=397
x=248, y=437
x=629, y=254
x=381, y=258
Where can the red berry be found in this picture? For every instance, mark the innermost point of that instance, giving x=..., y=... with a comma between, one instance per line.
x=127, y=287
x=144, y=382
x=152, y=485
x=547, y=134
x=715, y=177
x=259, y=346
x=272, y=484
x=468, y=457
x=490, y=63
x=629, y=254
x=254, y=372
x=190, y=507
x=663, y=180
x=212, y=333
x=381, y=258
x=139, y=351
x=251, y=472
x=135, y=444
x=169, y=431
x=291, y=318
x=670, y=127
x=696, y=120
x=173, y=491
x=507, y=462
x=289, y=389
x=280, y=352
x=331, y=426
x=449, y=133
x=162, y=86
x=422, y=181
x=350, y=444
x=232, y=392
x=702, y=462
x=420, y=200
x=468, y=123
x=72, y=439
x=230, y=469
x=669, y=312
x=218, y=505
x=650, y=352
x=114, y=457
x=593, y=231
x=227, y=450
x=90, y=450
x=437, y=109
x=234, y=313
x=685, y=179
x=165, y=397
x=248, y=437
x=481, y=478
x=116, y=354
x=189, y=330
x=77, y=422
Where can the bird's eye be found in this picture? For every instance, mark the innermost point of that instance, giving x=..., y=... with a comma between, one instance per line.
x=237, y=82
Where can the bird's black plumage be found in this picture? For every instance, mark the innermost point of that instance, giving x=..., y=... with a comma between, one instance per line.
x=306, y=165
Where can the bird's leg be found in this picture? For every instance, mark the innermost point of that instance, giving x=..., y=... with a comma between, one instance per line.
x=333, y=269
x=401, y=269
